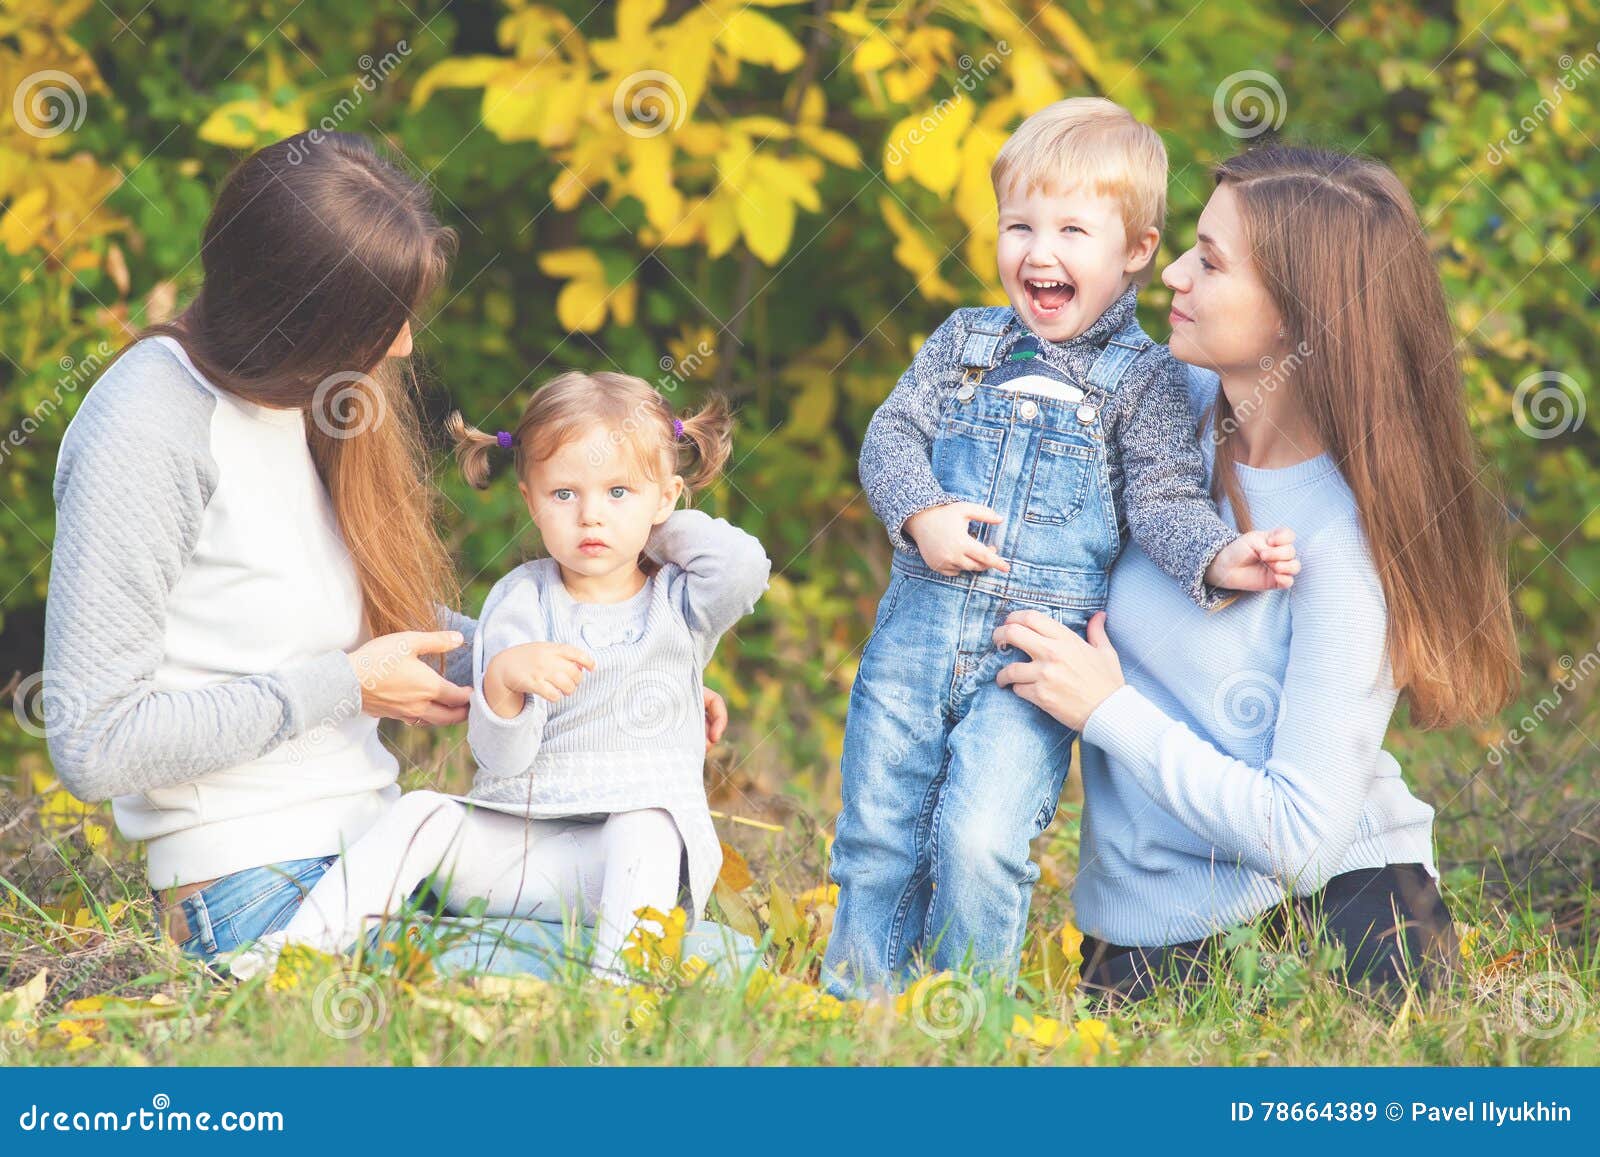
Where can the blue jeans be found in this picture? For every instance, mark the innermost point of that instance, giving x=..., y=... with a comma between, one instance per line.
x=245, y=905
x=946, y=776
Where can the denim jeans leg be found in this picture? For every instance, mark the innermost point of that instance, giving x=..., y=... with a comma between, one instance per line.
x=892, y=764
x=245, y=905
x=1008, y=764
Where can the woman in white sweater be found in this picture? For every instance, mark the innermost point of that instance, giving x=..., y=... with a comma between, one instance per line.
x=246, y=574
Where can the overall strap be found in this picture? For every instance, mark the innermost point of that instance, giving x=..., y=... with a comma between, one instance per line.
x=1121, y=351
x=985, y=328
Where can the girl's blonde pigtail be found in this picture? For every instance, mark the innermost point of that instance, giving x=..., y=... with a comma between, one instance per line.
x=710, y=431
x=472, y=449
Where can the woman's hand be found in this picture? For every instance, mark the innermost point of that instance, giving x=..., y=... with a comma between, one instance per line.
x=716, y=717
x=1068, y=678
x=396, y=684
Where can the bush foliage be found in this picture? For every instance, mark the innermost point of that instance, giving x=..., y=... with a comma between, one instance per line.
x=780, y=199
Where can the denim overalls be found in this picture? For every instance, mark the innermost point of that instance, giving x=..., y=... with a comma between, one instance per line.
x=947, y=776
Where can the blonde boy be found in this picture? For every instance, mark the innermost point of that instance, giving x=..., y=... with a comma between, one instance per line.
x=1009, y=462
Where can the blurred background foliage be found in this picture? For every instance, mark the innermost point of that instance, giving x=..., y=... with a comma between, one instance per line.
x=780, y=200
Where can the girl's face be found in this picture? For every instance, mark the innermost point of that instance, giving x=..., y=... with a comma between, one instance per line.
x=593, y=507
x=1223, y=318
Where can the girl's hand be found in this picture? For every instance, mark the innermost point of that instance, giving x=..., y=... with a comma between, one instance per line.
x=716, y=717
x=1068, y=678
x=1256, y=561
x=551, y=671
x=396, y=684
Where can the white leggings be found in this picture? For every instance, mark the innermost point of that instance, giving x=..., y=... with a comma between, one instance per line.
x=602, y=871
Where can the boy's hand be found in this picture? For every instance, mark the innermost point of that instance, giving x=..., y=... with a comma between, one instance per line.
x=551, y=671
x=947, y=546
x=1260, y=560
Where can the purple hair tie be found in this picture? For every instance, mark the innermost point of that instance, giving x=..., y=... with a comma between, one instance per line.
x=677, y=428
x=505, y=439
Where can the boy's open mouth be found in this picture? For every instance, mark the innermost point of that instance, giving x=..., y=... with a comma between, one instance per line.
x=1048, y=296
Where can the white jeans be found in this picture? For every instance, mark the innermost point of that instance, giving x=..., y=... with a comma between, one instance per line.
x=602, y=872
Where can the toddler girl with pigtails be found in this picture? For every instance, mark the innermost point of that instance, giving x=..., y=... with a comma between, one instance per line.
x=586, y=718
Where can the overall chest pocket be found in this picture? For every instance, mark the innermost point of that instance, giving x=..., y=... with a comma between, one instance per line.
x=966, y=458
x=1060, y=481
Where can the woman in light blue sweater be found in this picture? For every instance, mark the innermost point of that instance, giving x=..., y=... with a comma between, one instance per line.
x=1233, y=764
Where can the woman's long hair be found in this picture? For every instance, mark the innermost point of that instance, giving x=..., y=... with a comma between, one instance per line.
x=317, y=251
x=1340, y=247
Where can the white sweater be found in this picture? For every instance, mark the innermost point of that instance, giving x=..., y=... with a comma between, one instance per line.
x=201, y=603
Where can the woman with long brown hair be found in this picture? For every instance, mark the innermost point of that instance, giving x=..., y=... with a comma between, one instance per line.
x=247, y=573
x=1233, y=764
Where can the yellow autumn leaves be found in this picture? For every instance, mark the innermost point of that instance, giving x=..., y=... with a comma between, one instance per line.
x=658, y=114
x=645, y=115
x=588, y=296
x=618, y=116
x=54, y=202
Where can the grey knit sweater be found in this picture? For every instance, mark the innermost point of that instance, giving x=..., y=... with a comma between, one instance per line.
x=1158, y=478
x=632, y=735
x=201, y=607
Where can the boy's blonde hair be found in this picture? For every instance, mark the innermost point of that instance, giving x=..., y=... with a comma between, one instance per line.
x=1094, y=143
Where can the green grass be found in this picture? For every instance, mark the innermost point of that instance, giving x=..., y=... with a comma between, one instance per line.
x=1517, y=872
x=315, y=1014
x=1525, y=994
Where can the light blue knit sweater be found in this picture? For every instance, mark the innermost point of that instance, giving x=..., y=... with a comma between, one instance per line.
x=1244, y=759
